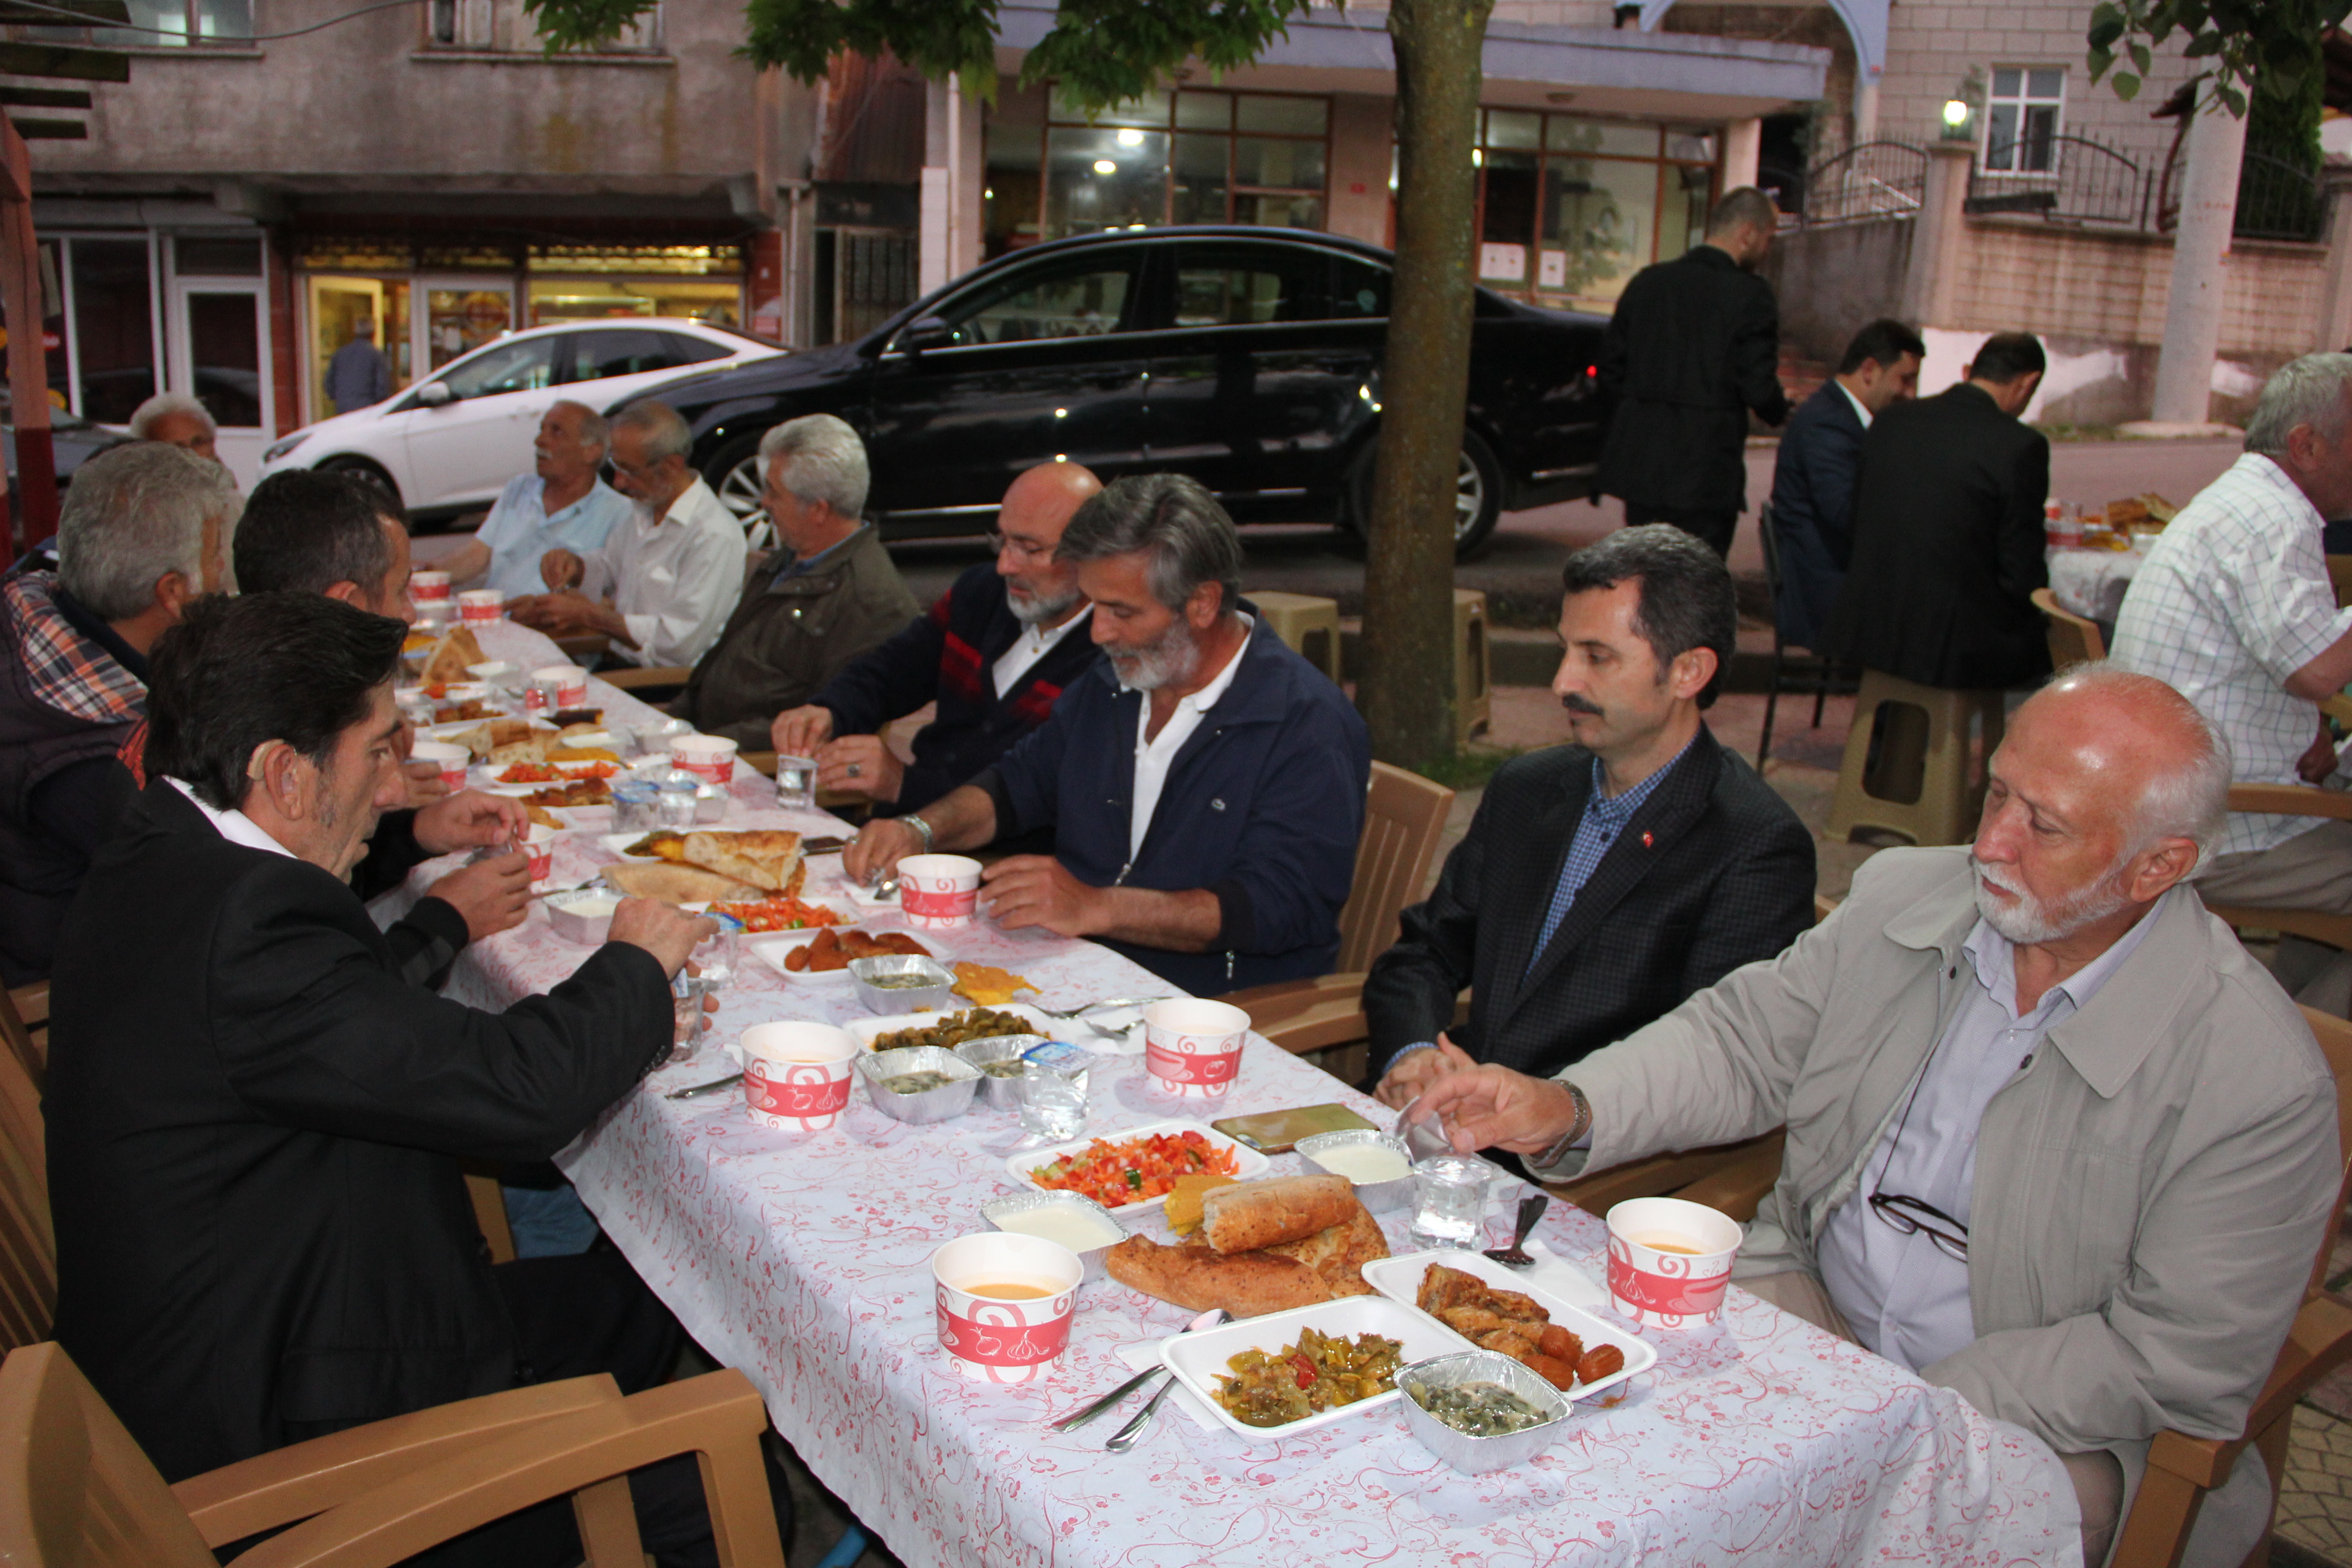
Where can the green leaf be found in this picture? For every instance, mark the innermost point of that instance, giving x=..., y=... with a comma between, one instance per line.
x=2204, y=45
x=2232, y=99
x=2126, y=86
x=2099, y=60
x=2140, y=57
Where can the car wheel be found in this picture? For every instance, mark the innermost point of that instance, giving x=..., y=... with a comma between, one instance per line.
x=1477, y=494
x=367, y=473
x=734, y=476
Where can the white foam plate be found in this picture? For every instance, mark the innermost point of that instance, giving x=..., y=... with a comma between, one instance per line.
x=1198, y=1360
x=1399, y=1279
x=770, y=948
x=868, y=1030
x=1247, y=1162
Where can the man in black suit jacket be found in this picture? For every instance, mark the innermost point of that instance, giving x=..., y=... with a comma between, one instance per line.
x=254, y=1118
x=1695, y=345
x=1948, y=533
x=1812, y=478
x=1602, y=882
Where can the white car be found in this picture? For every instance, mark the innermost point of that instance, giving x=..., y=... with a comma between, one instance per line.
x=450, y=442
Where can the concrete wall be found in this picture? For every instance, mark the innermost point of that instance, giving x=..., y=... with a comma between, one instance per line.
x=1358, y=194
x=1831, y=280
x=365, y=99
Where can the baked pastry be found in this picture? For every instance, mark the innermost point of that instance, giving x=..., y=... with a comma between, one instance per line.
x=677, y=884
x=1254, y=1214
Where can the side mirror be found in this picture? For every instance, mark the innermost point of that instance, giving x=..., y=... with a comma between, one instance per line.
x=925, y=332
x=435, y=395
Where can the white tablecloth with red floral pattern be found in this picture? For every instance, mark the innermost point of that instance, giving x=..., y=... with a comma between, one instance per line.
x=803, y=1261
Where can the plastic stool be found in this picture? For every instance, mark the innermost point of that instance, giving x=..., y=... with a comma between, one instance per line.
x=1924, y=754
x=1308, y=625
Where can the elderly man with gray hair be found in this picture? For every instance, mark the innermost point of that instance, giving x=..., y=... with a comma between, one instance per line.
x=1204, y=783
x=2233, y=609
x=146, y=529
x=661, y=584
x=829, y=594
x=561, y=504
x=2056, y=1141
x=177, y=420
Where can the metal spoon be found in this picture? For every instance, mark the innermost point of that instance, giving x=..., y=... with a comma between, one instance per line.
x=1093, y=1408
x=1099, y=1007
x=1531, y=1209
x=711, y=1087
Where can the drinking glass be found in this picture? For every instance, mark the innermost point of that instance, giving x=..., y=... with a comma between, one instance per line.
x=797, y=783
x=1449, y=1202
x=688, y=1020
x=1051, y=1105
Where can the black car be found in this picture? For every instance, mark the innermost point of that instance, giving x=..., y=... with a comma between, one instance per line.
x=1249, y=358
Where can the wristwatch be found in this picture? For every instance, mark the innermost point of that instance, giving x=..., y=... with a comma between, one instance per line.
x=919, y=825
x=1582, y=1125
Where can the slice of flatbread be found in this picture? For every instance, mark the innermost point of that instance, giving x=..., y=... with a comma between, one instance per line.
x=678, y=884
x=451, y=657
x=1338, y=1254
x=765, y=858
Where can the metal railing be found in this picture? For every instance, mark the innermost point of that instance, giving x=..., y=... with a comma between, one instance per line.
x=2277, y=200
x=2080, y=181
x=1874, y=180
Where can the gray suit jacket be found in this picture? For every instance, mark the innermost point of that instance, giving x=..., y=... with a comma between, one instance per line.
x=2150, y=1188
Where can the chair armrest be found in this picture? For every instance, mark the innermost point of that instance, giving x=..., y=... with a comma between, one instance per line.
x=32, y=1003
x=2291, y=800
x=2318, y=1342
x=764, y=763
x=2338, y=708
x=588, y=645
x=638, y=679
x=306, y=1479
x=1307, y=1015
x=718, y=1416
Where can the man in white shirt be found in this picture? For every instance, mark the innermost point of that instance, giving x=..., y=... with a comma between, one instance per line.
x=2233, y=609
x=660, y=587
x=2055, y=1140
x=1814, y=473
x=560, y=505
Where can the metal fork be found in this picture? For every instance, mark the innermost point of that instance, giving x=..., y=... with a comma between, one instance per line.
x=1098, y=1006
x=1531, y=1209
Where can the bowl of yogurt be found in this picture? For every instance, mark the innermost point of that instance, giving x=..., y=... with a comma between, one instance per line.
x=1374, y=1160
x=584, y=917
x=1073, y=1219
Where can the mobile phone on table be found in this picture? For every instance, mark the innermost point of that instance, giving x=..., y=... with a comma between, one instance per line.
x=1278, y=1132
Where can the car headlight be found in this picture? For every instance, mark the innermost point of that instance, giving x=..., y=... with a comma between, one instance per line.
x=283, y=448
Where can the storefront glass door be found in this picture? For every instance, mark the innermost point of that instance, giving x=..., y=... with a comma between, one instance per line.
x=220, y=348
x=460, y=315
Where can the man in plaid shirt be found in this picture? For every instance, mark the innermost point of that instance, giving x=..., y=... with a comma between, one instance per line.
x=2233, y=609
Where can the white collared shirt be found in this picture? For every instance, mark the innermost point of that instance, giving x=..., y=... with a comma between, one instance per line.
x=234, y=826
x=1860, y=412
x=674, y=578
x=1155, y=754
x=1034, y=644
x=2232, y=600
x=1903, y=1296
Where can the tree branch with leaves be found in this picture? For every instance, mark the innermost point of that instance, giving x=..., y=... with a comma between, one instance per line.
x=2253, y=46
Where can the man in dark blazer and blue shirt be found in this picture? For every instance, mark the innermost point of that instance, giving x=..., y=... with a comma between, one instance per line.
x=1604, y=881
x=1820, y=458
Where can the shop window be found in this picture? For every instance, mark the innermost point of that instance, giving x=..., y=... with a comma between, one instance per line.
x=1082, y=301
x=1099, y=177
x=114, y=327
x=1598, y=220
x=460, y=320
x=507, y=25
x=167, y=24
x=2023, y=116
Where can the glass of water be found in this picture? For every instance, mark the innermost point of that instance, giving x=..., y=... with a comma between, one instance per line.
x=797, y=783
x=1052, y=1105
x=688, y=1021
x=1449, y=1202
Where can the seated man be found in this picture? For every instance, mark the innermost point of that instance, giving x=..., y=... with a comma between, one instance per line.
x=661, y=584
x=828, y=594
x=177, y=420
x=1814, y=475
x=145, y=529
x=1948, y=533
x=2056, y=1141
x=2233, y=608
x=1602, y=881
x=995, y=651
x=562, y=504
x=1206, y=786
x=262, y=1230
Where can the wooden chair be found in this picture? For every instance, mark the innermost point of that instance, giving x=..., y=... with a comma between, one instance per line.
x=2182, y=1469
x=2340, y=577
x=28, y=1248
x=1404, y=816
x=1799, y=673
x=76, y=1489
x=2291, y=800
x=663, y=680
x=25, y=1024
x=2074, y=639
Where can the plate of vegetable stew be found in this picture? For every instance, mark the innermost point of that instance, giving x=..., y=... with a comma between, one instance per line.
x=1131, y=1170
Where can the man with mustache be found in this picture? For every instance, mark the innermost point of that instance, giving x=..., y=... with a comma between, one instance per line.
x=2055, y=1140
x=1204, y=783
x=1602, y=881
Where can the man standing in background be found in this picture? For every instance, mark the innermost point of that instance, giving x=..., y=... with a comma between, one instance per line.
x=1695, y=345
x=357, y=376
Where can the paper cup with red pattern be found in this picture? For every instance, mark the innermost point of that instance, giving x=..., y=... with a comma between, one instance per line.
x=428, y=587
x=566, y=685
x=481, y=606
x=1652, y=1279
x=452, y=760
x=796, y=1076
x=539, y=844
x=1192, y=1048
x=990, y=1338
x=707, y=757
x=938, y=891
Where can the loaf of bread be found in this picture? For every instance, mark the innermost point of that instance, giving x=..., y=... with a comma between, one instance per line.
x=1337, y=1254
x=1197, y=1277
x=1255, y=1215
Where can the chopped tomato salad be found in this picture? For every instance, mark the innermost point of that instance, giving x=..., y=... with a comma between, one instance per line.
x=546, y=772
x=1135, y=1170
x=778, y=915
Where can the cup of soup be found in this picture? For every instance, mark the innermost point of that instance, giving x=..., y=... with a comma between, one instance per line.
x=1669, y=1261
x=937, y=892
x=481, y=606
x=1004, y=1303
x=710, y=758
x=1192, y=1049
x=426, y=587
x=796, y=1076
x=452, y=760
x=564, y=684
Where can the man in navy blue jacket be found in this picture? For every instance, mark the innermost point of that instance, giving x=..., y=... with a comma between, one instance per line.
x=1820, y=457
x=1205, y=784
x=995, y=651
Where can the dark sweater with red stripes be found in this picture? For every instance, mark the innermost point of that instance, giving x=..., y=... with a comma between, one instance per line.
x=949, y=656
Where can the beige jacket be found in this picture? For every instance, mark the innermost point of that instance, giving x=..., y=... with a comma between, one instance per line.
x=2149, y=1189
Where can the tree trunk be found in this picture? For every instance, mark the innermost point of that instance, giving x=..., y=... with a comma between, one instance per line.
x=1406, y=687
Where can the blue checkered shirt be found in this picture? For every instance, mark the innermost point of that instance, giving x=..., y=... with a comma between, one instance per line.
x=1596, y=830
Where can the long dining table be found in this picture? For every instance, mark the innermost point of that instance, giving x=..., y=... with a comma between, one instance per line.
x=802, y=1260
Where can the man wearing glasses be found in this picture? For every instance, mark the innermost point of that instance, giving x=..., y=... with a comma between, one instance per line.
x=993, y=653
x=2055, y=1140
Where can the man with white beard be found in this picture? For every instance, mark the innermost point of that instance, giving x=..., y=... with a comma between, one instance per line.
x=1204, y=784
x=2096, y=1240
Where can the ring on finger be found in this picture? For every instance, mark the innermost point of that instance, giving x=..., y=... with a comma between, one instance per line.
x=856, y=770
